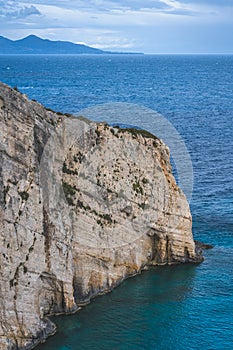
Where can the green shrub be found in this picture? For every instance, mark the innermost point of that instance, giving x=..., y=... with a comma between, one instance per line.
x=24, y=195
x=97, y=132
x=145, y=181
x=68, y=171
x=68, y=189
x=137, y=188
x=107, y=217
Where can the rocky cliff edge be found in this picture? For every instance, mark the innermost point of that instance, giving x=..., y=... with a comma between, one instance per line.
x=82, y=207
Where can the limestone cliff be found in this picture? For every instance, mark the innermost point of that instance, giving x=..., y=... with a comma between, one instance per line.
x=82, y=207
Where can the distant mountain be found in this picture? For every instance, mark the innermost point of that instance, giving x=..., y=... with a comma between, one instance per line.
x=32, y=44
x=35, y=45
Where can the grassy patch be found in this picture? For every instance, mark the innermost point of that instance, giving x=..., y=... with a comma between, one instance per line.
x=84, y=119
x=143, y=133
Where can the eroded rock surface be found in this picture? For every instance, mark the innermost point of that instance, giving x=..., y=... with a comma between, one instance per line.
x=82, y=207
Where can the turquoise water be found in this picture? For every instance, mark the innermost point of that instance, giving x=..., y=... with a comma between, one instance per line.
x=181, y=307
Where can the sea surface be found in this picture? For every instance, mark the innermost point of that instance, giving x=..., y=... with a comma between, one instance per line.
x=188, y=307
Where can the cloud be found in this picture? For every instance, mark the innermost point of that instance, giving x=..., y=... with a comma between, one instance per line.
x=140, y=25
x=140, y=5
x=182, y=12
x=13, y=10
x=117, y=7
x=219, y=3
x=24, y=12
x=66, y=11
x=28, y=11
x=169, y=7
x=112, y=42
x=104, y=6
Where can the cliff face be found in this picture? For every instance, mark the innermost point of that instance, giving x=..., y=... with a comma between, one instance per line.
x=82, y=207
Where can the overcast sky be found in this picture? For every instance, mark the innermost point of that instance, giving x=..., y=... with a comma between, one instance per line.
x=150, y=26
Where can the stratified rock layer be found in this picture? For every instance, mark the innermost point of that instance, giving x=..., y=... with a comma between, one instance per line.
x=82, y=207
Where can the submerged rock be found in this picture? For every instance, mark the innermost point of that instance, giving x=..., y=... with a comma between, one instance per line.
x=203, y=246
x=82, y=207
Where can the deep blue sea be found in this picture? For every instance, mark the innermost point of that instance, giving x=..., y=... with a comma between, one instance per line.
x=187, y=307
